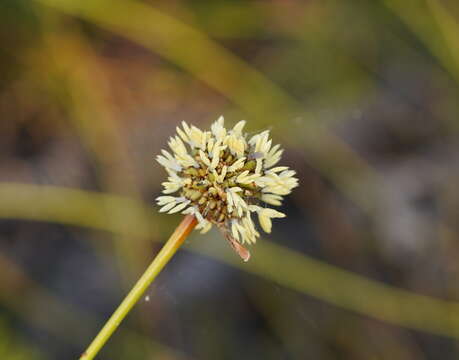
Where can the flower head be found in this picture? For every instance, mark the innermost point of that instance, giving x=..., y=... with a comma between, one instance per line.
x=224, y=176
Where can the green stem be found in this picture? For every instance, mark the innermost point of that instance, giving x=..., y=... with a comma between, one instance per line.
x=177, y=238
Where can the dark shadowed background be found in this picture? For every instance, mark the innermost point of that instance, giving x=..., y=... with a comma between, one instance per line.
x=363, y=95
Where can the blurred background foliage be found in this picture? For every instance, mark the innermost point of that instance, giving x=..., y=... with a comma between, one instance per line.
x=362, y=94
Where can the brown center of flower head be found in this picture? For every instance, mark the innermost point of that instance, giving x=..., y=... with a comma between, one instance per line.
x=209, y=196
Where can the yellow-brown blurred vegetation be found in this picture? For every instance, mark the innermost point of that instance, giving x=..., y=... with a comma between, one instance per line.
x=362, y=94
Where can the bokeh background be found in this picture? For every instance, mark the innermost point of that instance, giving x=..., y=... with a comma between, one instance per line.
x=362, y=94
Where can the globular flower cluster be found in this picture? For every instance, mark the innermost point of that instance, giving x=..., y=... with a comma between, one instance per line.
x=224, y=176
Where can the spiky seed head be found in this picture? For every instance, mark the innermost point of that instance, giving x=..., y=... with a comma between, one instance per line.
x=224, y=176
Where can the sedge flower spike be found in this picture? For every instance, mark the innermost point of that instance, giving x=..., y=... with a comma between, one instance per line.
x=222, y=177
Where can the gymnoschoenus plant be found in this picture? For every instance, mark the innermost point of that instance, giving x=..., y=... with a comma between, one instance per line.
x=219, y=177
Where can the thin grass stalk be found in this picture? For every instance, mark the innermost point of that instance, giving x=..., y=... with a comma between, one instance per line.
x=170, y=247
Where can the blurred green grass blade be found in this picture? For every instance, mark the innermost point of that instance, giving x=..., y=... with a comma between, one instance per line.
x=187, y=47
x=75, y=207
x=347, y=290
x=427, y=19
x=448, y=27
x=217, y=67
x=270, y=261
x=22, y=296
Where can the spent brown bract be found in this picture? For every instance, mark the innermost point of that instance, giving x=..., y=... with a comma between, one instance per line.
x=224, y=176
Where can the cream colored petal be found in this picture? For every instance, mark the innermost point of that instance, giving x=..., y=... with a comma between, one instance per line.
x=167, y=207
x=272, y=199
x=204, y=158
x=186, y=128
x=182, y=134
x=239, y=126
x=237, y=164
x=234, y=231
x=210, y=145
x=161, y=200
x=222, y=175
x=278, y=169
x=215, y=157
x=179, y=207
x=265, y=216
x=235, y=189
x=206, y=227
x=273, y=213
x=265, y=222
x=242, y=176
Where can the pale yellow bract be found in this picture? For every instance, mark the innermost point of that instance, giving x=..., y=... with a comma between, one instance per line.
x=222, y=177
